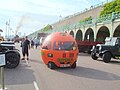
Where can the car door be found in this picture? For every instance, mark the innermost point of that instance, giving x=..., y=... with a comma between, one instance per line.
x=117, y=47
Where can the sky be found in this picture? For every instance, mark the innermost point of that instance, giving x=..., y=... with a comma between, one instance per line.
x=28, y=16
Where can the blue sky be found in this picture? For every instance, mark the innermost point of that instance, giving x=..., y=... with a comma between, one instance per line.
x=28, y=16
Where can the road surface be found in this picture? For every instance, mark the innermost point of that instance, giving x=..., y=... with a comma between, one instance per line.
x=89, y=75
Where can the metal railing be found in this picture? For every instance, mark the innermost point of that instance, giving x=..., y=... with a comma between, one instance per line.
x=107, y=18
x=87, y=9
x=103, y=19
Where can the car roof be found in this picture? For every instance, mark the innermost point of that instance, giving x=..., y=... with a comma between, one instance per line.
x=7, y=42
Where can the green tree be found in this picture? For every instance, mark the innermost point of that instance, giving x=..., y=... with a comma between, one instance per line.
x=86, y=19
x=110, y=7
x=117, y=8
x=47, y=28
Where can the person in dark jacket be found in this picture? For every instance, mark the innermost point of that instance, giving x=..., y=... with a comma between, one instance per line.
x=25, y=44
x=32, y=44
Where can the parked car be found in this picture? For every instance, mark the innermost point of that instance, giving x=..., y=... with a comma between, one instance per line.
x=12, y=55
x=111, y=49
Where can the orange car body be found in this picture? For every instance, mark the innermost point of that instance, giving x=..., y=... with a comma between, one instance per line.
x=60, y=49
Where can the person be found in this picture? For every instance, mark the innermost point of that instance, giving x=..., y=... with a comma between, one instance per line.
x=32, y=44
x=25, y=44
x=36, y=42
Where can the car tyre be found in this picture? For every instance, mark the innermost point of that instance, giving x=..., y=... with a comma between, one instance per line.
x=51, y=65
x=12, y=60
x=73, y=65
x=107, y=57
x=94, y=57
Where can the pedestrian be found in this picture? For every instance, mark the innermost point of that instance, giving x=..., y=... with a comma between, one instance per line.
x=36, y=41
x=25, y=44
x=32, y=44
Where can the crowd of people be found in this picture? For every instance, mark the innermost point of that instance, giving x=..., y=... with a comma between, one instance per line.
x=34, y=42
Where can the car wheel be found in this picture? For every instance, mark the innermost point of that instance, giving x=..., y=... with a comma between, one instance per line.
x=51, y=65
x=94, y=57
x=89, y=52
x=12, y=60
x=107, y=57
x=73, y=65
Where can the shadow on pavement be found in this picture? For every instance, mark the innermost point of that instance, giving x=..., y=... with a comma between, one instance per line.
x=89, y=73
x=115, y=62
x=36, y=61
x=84, y=54
x=20, y=75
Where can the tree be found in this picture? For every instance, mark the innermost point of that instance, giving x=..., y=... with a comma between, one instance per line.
x=47, y=28
x=86, y=19
x=117, y=8
x=110, y=7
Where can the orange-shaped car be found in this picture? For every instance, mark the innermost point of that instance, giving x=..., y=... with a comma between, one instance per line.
x=59, y=50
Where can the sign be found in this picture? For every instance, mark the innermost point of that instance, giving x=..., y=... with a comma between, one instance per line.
x=64, y=65
x=64, y=59
x=2, y=59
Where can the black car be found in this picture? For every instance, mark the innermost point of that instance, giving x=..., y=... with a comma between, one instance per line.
x=111, y=49
x=12, y=55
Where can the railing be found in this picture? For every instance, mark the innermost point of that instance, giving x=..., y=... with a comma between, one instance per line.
x=107, y=18
x=87, y=9
x=116, y=15
x=103, y=19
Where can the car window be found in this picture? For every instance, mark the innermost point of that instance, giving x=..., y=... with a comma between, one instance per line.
x=46, y=45
x=60, y=45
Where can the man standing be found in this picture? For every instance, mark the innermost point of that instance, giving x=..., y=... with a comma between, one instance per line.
x=25, y=48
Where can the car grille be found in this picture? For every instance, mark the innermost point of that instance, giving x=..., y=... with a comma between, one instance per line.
x=71, y=55
x=64, y=55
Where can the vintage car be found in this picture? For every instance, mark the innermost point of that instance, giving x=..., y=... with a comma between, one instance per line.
x=12, y=55
x=59, y=50
x=111, y=49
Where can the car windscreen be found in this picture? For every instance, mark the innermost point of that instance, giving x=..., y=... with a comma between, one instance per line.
x=110, y=42
x=68, y=45
x=7, y=43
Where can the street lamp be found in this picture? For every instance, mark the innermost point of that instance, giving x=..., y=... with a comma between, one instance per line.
x=6, y=30
x=10, y=33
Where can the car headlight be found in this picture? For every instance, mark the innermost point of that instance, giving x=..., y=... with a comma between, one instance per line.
x=50, y=55
x=93, y=47
x=100, y=48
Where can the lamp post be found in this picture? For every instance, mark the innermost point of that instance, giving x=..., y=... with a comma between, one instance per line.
x=9, y=29
x=10, y=33
x=6, y=35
